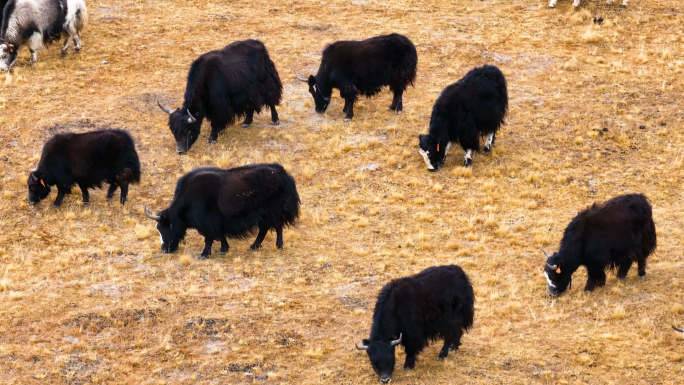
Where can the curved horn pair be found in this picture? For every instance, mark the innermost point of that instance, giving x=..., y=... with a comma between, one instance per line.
x=191, y=119
x=155, y=217
x=301, y=77
x=392, y=343
x=552, y=267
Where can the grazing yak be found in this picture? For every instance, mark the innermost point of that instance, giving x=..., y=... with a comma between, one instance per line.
x=86, y=160
x=576, y=3
x=231, y=203
x=37, y=23
x=614, y=234
x=364, y=67
x=223, y=85
x=472, y=107
x=435, y=303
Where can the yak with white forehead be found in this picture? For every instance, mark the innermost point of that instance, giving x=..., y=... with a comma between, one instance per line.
x=472, y=107
x=612, y=235
x=437, y=303
x=222, y=85
x=229, y=203
x=364, y=68
x=35, y=23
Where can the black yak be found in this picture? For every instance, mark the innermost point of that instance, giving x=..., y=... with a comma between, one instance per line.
x=223, y=85
x=435, y=303
x=614, y=234
x=86, y=160
x=231, y=203
x=37, y=23
x=363, y=68
x=472, y=107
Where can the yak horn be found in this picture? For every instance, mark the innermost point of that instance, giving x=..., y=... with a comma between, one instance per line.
x=155, y=217
x=362, y=347
x=301, y=77
x=678, y=329
x=167, y=110
x=396, y=342
x=552, y=267
x=191, y=118
x=545, y=253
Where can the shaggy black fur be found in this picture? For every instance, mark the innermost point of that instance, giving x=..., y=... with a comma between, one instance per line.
x=363, y=68
x=614, y=234
x=472, y=107
x=437, y=303
x=231, y=203
x=86, y=160
x=224, y=85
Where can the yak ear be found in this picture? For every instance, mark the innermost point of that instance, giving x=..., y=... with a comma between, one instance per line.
x=312, y=80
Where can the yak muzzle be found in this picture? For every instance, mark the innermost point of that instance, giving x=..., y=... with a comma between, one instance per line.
x=385, y=379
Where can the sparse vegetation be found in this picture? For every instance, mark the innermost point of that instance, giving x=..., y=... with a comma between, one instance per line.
x=87, y=296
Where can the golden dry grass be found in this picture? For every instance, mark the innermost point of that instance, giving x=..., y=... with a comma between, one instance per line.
x=86, y=296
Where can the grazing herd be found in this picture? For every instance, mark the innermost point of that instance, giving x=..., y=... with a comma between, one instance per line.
x=240, y=80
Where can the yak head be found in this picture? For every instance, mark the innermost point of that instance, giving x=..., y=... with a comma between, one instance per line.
x=184, y=127
x=558, y=278
x=8, y=55
x=169, y=235
x=37, y=187
x=432, y=152
x=381, y=355
x=320, y=93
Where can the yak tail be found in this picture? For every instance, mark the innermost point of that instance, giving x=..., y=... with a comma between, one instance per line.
x=80, y=16
x=467, y=304
x=292, y=200
x=648, y=241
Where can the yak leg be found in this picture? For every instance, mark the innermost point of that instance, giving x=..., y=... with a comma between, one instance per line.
x=124, y=192
x=641, y=264
x=65, y=46
x=346, y=106
x=468, y=162
x=84, y=191
x=60, y=196
x=224, y=246
x=410, y=362
x=111, y=190
x=207, y=248
x=260, y=238
x=279, y=237
x=595, y=279
x=213, y=135
x=489, y=143
x=248, y=119
x=397, y=102
x=77, y=43
x=445, y=350
x=623, y=269
x=274, y=115
x=349, y=102
x=624, y=4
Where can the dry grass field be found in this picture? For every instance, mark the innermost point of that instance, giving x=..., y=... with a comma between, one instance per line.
x=87, y=297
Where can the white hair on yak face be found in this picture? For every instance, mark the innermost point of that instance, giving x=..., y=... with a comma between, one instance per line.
x=51, y=19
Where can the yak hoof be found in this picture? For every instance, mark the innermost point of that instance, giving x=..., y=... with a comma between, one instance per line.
x=212, y=141
x=468, y=163
x=64, y=53
x=221, y=252
x=397, y=112
x=406, y=367
x=54, y=205
x=276, y=123
x=623, y=6
x=123, y=201
x=255, y=247
x=487, y=150
x=245, y=125
x=202, y=256
x=347, y=119
x=551, y=7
